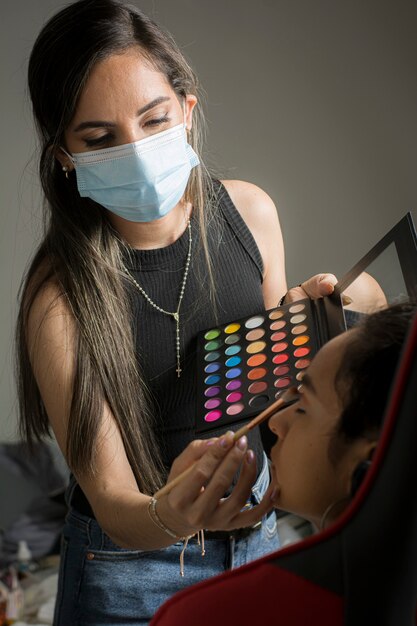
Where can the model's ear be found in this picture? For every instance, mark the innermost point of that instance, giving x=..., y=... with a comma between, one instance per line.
x=362, y=467
x=190, y=102
x=64, y=159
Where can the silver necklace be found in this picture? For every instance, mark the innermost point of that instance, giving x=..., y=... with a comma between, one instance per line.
x=174, y=314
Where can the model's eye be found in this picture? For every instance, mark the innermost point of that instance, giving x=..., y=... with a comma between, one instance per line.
x=300, y=410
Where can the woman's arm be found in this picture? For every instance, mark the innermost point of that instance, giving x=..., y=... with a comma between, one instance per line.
x=261, y=216
x=111, y=489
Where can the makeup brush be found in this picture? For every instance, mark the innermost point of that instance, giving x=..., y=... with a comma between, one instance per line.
x=287, y=398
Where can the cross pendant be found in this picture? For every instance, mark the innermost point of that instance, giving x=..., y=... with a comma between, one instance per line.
x=178, y=370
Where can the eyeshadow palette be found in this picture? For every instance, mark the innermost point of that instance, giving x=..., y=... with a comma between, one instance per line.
x=247, y=364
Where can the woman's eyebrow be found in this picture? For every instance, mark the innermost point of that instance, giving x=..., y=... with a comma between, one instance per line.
x=104, y=124
x=308, y=384
x=152, y=104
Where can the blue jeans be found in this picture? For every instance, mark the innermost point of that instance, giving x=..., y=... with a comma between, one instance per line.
x=101, y=584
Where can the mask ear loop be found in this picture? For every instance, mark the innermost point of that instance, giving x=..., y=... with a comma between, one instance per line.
x=65, y=168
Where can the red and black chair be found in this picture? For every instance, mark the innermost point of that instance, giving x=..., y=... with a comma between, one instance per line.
x=361, y=571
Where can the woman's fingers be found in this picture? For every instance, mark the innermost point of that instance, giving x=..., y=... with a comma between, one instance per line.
x=192, y=453
x=197, y=501
x=229, y=507
x=217, y=469
x=315, y=287
x=250, y=517
x=191, y=504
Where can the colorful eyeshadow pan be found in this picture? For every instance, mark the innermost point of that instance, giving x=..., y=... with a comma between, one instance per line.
x=256, y=359
x=212, y=345
x=231, y=339
x=278, y=336
x=297, y=319
x=254, y=322
x=235, y=409
x=212, y=391
x=298, y=330
x=256, y=346
x=233, y=361
x=259, y=372
x=280, y=358
x=301, y=340
x=212, y=367
x=276, y=314
x=296, y=308
x=233, y=384
x=278, y=325
x=255, y=334
x=300, y=352
x=231, y=328
x=259, y=401
x=234, y=372
x=213, y=416
x=231, y=350
x=212, y=380
x=213, y=403
x=234, y=397
x=258, y=387
x=244, y=365
x=212, y=334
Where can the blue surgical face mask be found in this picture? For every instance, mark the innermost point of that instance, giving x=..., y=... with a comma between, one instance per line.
x=139, y=181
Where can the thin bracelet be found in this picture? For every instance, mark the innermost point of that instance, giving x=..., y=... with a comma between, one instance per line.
x=282, y=300
x=157, y=520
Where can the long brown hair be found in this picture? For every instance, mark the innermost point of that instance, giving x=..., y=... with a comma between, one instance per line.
x=80, y=248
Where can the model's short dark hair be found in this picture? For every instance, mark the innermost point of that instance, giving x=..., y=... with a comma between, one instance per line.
x=366, y=374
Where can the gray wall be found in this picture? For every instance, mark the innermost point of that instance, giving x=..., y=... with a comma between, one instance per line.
x=315, y=101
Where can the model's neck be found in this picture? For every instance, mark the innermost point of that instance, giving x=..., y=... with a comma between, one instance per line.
x=157, y=234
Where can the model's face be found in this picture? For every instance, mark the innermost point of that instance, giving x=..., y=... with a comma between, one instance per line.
x=307, y=481
x=124, y=100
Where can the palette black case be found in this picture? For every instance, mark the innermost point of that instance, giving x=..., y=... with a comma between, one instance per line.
x=244, y=366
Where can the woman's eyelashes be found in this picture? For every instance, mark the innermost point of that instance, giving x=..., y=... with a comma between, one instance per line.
x=98, y=141
x=110, y=138
x=157, y=121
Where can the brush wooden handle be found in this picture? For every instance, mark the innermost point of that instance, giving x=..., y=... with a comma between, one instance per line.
x=173, y=483
x=264, y=415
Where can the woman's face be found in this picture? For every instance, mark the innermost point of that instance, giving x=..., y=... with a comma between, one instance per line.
x=307, y=480
x=124, y=100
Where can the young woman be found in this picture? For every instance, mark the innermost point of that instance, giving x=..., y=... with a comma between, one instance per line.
x=142, y=250
x=325, y=441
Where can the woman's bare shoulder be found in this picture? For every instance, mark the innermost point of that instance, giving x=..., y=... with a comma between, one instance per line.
x=250, y=199
x=261, y=217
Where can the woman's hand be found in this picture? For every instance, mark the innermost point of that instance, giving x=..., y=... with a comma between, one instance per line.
x=197, y=501
x=315, y=287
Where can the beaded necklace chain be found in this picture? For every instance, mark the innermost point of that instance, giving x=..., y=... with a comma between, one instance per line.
x=174, y=314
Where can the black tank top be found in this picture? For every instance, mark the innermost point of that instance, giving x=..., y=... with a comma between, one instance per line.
x=237, y=266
